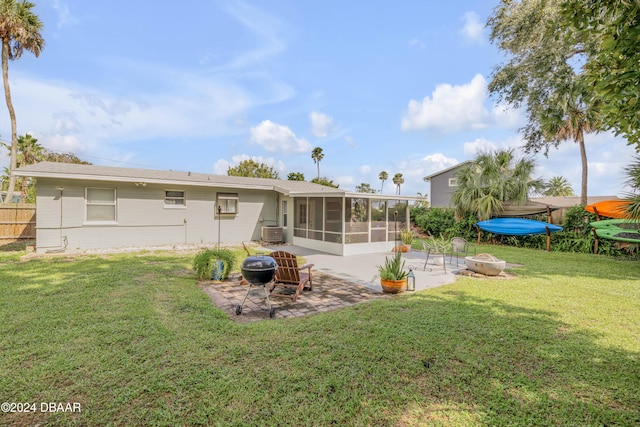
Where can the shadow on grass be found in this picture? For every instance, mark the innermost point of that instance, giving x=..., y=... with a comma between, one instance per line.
x=13, y=246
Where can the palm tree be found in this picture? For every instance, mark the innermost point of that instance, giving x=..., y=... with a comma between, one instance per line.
x=383, y=177
x=633, y=180
x=398, y=180
x=316, y=155
x=558, y=186
x=29, y=152
x=571, y=119
x=19, y=30
x=492, y=179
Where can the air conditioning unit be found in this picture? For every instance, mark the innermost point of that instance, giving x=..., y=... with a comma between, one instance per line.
x=272, y=233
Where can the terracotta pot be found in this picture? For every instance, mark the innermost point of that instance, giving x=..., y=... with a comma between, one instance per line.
x=393, y=286
x=403, y=248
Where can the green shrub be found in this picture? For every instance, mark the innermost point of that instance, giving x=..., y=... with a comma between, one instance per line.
x=203, y=263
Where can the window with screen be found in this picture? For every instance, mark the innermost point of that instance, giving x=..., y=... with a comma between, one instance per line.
x=227, y=202
x=174, y=198
x=100, y=204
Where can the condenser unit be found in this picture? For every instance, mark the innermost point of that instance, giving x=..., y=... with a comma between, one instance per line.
x=272, y=233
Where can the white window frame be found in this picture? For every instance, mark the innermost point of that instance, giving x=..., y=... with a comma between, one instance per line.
x=176, y=205
x=88, y=204
x=221, y=201
x=453, y=182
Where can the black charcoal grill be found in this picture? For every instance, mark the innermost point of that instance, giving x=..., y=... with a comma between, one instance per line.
x=257, y=271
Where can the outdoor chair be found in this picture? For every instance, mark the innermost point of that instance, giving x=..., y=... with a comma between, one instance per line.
x=461, y=246
x=428, y=247
x=290, y=280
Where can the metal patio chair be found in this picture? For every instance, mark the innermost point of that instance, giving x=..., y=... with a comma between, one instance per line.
x=461, y=246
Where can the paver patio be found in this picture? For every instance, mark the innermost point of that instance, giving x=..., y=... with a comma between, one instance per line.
x=329, y=293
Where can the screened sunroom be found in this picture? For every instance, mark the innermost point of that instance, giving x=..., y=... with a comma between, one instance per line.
x=353, y=224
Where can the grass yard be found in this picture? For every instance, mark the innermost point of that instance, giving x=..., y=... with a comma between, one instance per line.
x=135, y=341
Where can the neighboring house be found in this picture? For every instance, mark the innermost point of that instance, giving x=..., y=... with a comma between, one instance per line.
x=443, y=184
x=80, y=207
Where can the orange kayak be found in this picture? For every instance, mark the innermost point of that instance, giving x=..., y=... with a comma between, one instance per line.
x=609, y=208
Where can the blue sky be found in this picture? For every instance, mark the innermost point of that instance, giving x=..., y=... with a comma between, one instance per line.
x=201, y=85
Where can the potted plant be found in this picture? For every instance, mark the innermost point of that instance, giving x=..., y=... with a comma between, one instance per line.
x=407, y=237
x=393, y=277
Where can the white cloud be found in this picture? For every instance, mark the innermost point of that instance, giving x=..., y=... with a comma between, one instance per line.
x=58, y=110
x=450, y=108
x=460, y=108
x=278, y=138
x=472, y=148
x=419, y=43
x=64, y=14
x=264, y=27
x=221, y=166
x=472, y=29
x=345, y=181
x=364, y=169
x=321, y=124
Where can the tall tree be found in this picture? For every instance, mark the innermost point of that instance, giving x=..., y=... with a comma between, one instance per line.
x=492, y=179
x=383, y=177
x=19, y=30
x=253, y=169
x=540, y=74
x=611, y=67
x=29, y=152
x=317, y=156
x=398, y=180
x=324, y=181
x=51, y=156
x=295, y=176
x=558, y=186
x=365, y=188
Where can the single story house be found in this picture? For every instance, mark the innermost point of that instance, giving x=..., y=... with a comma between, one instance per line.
x=443, y=184
x=83, y=207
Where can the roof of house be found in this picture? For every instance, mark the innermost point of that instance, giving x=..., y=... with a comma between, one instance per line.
x=427, y=178
x=109, y=173
x=149, y=176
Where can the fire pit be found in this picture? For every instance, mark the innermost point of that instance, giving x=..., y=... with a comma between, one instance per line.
x=257, y=271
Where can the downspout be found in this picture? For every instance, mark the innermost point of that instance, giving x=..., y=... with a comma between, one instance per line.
x=63, y=239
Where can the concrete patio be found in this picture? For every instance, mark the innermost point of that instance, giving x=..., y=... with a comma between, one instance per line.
x=338, y=281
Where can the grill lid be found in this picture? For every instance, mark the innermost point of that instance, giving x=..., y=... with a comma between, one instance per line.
x=259, y=263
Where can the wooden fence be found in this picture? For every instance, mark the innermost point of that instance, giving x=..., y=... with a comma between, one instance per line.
x=17, y=222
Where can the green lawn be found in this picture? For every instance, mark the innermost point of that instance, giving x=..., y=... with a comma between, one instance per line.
x=135, y=341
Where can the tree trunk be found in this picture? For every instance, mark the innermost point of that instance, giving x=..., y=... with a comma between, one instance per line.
x=12, y=115
x=583, y=157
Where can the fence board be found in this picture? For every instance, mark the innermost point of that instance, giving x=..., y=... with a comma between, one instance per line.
x=17, y=222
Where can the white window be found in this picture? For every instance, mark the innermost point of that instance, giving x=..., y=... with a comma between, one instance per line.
x=174, y=198
x=227, y=203
x=453, y=182
x=100, y=204
x=285, y=213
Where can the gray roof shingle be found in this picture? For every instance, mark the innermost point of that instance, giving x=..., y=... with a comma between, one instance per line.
x=109, y=173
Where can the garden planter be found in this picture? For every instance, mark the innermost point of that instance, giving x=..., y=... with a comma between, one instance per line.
x=217, y=270
x=485, y=264
x=393, y=286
